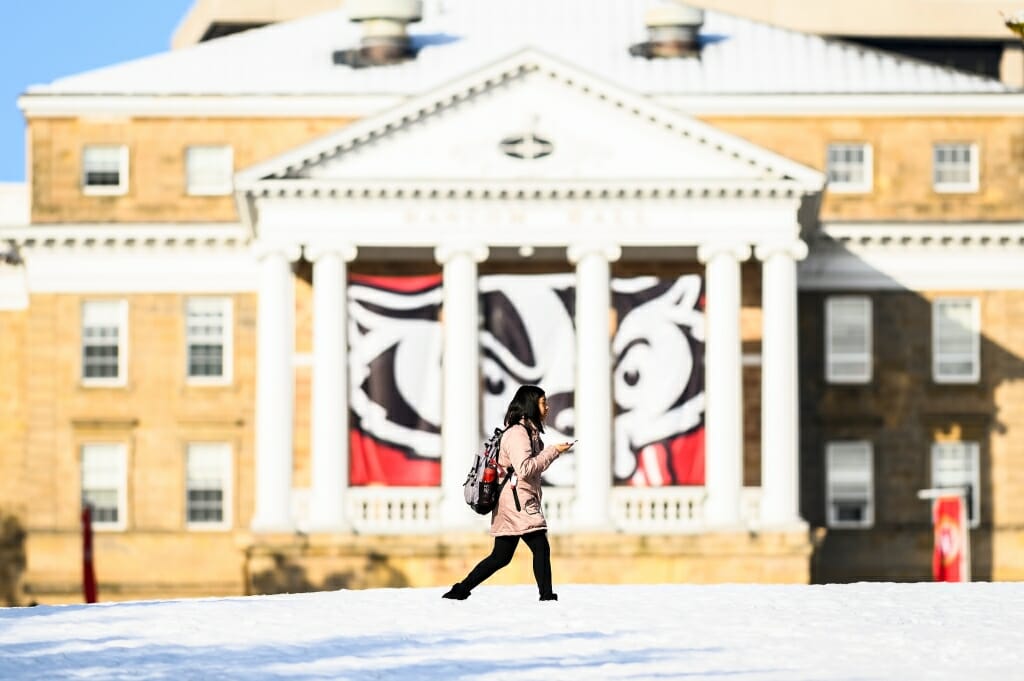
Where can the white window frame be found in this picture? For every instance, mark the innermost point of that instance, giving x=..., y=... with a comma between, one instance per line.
x=971, y=185
x=226, y=186
x=122, y=347
x=866, y=184
x=227, y=344
x=122, y=484
x=832, y=357
x=974, y=356
x=224, y=451
x=831, y=475
x=118, y=189
x=972, y=453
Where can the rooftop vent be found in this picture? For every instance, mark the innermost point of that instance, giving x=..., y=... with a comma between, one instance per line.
x=672, y=31
x=384, y=40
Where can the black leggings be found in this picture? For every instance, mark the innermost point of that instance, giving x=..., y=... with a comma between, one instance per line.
x=501, y=555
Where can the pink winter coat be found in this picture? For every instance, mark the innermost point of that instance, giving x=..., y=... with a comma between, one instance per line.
x=529, y=461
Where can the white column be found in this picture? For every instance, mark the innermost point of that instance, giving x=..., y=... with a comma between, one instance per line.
x=779, y=390
x=275, y=387
x=593, y=400
x=723, y=381
x=330, y=387
x=460, y=419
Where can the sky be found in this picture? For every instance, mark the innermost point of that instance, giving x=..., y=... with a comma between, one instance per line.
x=41, y=40
x=835, y=632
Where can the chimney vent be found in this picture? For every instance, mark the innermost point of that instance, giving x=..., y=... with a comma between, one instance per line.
x=672, y=31
x=385, y=40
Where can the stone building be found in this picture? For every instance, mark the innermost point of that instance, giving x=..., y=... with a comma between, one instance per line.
x=274, y=288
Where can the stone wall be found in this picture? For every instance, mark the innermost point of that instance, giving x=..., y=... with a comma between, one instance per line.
x=902, y=412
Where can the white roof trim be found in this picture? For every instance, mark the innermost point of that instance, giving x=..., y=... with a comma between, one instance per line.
x=358, y=106
x=125, y=236
x=288, y=164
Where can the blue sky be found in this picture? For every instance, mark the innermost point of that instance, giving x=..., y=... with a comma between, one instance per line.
x=41, y=40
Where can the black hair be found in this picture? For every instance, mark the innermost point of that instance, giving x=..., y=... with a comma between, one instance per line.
x=524, y=406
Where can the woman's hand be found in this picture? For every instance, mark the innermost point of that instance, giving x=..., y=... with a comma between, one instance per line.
x=563, y=447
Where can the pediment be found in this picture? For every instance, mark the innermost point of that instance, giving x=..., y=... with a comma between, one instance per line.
x=532, y=119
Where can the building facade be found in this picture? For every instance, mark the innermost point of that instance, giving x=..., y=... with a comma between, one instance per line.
x=274, y=289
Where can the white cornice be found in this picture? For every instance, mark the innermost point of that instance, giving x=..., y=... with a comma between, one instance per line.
x=524, y=190
x=207, y=106
x=878, y=105
x=917, y=257
x=122, y=236
x=921, y=235
x=360, y=106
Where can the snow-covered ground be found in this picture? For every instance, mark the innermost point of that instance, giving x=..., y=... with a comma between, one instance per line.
x=826, y=633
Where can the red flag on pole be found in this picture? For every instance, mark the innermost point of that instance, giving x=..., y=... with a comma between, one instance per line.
x=88, y=573
x=950, y=557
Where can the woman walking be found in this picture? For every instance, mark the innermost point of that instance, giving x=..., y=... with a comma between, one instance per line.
x=519, y=513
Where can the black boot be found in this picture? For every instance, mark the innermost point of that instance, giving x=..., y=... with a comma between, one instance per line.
x=457, y=592
x=549, y=597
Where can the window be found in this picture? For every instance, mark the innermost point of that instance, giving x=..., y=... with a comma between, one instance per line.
x=955, y=464
x=208, y=337
x=850, y=484
x=848, y=339
x=208, y=485
x=956, y=354
x=955, y=167
x=209, y=170
x=849, y=167
x=105, y=169
x=104, y=342
x=104, y=483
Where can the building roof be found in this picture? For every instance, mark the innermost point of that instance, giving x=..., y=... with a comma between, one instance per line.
x=455, y=37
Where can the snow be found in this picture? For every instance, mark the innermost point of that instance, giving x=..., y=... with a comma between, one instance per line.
x=743, y=632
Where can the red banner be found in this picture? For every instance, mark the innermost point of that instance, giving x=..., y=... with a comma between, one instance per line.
x=89, y=591
x=950, y=557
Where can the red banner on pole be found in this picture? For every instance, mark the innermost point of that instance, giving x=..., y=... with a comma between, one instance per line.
x=88, y=573
x=950, y=562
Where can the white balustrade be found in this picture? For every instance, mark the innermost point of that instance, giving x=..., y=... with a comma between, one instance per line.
x=558, y=508
x=642, y=510
x=395, y=510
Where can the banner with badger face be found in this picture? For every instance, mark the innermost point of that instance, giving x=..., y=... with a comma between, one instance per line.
x=527, y=337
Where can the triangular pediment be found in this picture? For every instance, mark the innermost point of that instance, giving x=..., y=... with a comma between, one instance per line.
x=532, y=118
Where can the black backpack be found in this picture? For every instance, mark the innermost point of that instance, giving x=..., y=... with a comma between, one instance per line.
x=482, y=488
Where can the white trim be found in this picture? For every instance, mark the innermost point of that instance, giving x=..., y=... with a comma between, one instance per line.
x=974, y=356
x=226, y=452
x=121, y=188
x=122, y=491
x=358, y=106
x=121, y=380
x=972, y=184
x=866, y=185
x=227, y=344
x=972, y=450
x=915, y=256
x=832, y=357
x=867, y=451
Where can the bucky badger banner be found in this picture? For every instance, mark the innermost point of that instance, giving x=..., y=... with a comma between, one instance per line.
x=659, y=381
x=395, y=349
x=527, y=336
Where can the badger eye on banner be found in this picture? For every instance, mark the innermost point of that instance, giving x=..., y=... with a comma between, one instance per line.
x=528, y=337
x=659, y=381
x=395, y=346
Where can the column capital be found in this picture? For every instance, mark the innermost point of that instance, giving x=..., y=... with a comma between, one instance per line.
x=795, y=249
x=314, y=252
x=262, y=249
x=707, y=252
x=577, y=252
x=445, y=252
